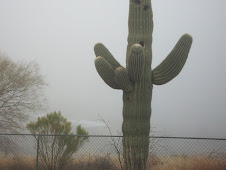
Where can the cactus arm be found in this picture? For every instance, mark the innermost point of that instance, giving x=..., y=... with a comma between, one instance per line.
x=122, y=78
x=106, y=65
x=101, y=50
x=174, y=62
x=106, y=72
x=135, y=62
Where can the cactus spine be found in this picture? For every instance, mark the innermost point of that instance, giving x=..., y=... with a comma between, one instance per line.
x=137, y=79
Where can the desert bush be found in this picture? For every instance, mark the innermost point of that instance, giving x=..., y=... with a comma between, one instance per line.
x=56, y=151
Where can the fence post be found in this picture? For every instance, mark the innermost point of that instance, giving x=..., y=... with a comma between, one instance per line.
x=37, y=153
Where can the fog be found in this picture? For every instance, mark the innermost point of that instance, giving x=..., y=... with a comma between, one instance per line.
x=60, y=35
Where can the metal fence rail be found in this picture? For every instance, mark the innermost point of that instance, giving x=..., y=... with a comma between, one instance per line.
x=98, y=152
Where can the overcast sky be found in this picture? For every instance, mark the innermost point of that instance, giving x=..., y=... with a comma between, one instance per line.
x=60, y=35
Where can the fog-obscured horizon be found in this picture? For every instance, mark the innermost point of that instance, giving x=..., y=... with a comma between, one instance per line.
x=60, y=35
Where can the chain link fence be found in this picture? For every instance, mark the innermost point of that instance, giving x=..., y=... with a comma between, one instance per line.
x=29, y=152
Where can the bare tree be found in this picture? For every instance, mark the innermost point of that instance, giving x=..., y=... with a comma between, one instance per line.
x=21, y=93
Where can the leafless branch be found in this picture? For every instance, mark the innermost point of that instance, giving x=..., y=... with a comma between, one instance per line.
x=116, y=142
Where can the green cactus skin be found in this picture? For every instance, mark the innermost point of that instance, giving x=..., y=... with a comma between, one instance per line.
x=137, y=79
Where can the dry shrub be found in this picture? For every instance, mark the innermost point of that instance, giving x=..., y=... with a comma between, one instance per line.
x=81, y=163
x=111, y=163
x=17, y=163
x=188, y=163
x=93, y=163
x=153, y=161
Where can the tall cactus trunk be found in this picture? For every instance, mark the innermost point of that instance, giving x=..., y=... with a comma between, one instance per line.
x=137, y=103
x=137, y=79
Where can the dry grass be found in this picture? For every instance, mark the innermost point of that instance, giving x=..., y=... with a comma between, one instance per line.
x=93, y=163
x=186, y=163
x=111, y=163
x=17, y=163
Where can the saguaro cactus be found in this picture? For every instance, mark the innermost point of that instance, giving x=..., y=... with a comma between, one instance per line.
x=137, y=79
